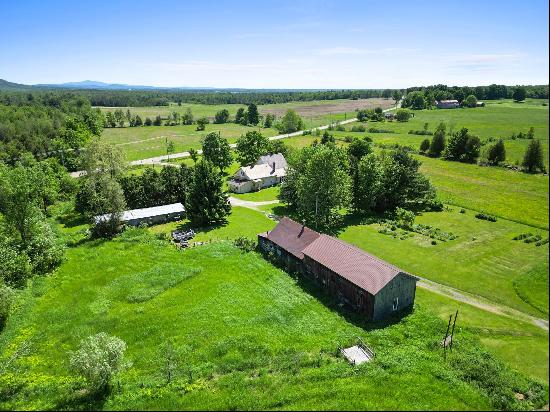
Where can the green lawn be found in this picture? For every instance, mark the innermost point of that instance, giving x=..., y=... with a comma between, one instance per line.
x=269, y=193
x=249, y=337
x=499, y=119
x=520, y=344
x=483, y=260
x=143, y=142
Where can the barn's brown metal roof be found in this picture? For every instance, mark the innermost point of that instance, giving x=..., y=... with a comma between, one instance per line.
x=360, y=268
x=291, y=236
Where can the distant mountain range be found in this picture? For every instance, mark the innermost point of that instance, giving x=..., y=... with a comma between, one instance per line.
x=95, y=85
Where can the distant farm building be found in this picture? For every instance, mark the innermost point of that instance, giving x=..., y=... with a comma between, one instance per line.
x=447, y=104
x=149, y=215
x=268, y=171
x=480, y=104
x=370, y=285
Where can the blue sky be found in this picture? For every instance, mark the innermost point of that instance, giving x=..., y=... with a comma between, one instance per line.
x=276, y=44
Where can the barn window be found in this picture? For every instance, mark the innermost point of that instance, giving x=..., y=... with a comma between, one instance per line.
x=395, y=305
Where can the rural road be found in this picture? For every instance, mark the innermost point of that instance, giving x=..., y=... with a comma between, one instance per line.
x=159, y=160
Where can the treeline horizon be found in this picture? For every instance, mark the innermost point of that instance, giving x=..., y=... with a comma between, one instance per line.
x=141, y=98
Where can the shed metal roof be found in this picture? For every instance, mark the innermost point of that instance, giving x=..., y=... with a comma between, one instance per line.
x=146, y=212
x=291, y=236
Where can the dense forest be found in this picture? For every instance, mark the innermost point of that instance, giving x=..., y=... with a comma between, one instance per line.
x=491, y=92
x=51, y=124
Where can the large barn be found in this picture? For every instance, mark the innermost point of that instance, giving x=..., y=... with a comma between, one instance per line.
x=368, y=284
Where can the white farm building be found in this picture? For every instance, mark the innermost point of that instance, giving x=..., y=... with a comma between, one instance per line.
x=149, y=215
x=268, y=171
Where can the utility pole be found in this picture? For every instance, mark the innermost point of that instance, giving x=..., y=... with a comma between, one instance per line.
x=453, y=332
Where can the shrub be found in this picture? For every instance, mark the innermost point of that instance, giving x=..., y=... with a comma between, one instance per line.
x=358, y=128
x=340, y=128
x=402, y=115
x=98, y=359
x=348, y=139
x=424, y=146
x=485, y=216
x=6, y=299
x=404, y=218
x=245, y=244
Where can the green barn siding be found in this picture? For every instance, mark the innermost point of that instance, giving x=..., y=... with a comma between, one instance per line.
x=402, y=287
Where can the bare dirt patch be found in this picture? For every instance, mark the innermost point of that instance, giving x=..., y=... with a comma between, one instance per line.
x=319, y=108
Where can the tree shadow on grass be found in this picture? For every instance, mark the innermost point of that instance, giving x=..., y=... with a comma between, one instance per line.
x=83, y=400
x=71, y=219
x=186, y=226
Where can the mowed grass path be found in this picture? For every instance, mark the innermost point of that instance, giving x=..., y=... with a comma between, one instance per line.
x=248, y=335
x=144, y=142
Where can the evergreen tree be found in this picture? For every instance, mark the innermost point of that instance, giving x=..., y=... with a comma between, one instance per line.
x=252, y=114
x=424, y=146
x=206, y=201
x=534, y=157
x=222, y=116
x=158, y=121
x=496, y=153
x=438, y=141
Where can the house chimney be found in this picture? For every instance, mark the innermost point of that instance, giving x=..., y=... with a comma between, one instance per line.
x=302, y=230
x=273, y=168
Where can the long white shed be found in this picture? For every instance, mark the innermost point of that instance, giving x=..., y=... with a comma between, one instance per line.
x=149, y=215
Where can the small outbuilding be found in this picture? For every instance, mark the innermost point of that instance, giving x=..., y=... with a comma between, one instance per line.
x=447, y=104
x=149, y=215
x=370, y=285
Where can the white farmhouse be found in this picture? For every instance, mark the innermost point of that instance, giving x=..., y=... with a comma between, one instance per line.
x=270, y=170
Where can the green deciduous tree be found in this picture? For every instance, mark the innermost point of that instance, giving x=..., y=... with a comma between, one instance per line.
x=269, y=120
x=318, y=184
x=187, y=117
x=290, y=122
x=222, y=116
x=402, y=115
x=206, y=201
x=241, y=116
x=201, y=123
x=250, y=147
x=462, y=147
x=519, y=94
x=470, y=101
x=98, y=359
x=396, y=96
x=392, y=180
x=216, y=149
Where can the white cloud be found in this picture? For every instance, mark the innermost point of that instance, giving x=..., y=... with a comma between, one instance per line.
x=388, y=51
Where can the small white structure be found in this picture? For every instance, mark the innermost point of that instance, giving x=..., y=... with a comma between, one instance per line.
x=268, y=171
x=357, y=355
x=447, y=104
x=149, y=215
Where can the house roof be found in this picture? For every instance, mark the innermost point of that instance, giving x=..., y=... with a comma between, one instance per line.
x=260, y=172
x=291, y=236
x=277, y=158
x=360, y=268
x=146, y=212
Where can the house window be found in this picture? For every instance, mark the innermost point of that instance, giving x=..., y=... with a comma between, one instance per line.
x=395, y=305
